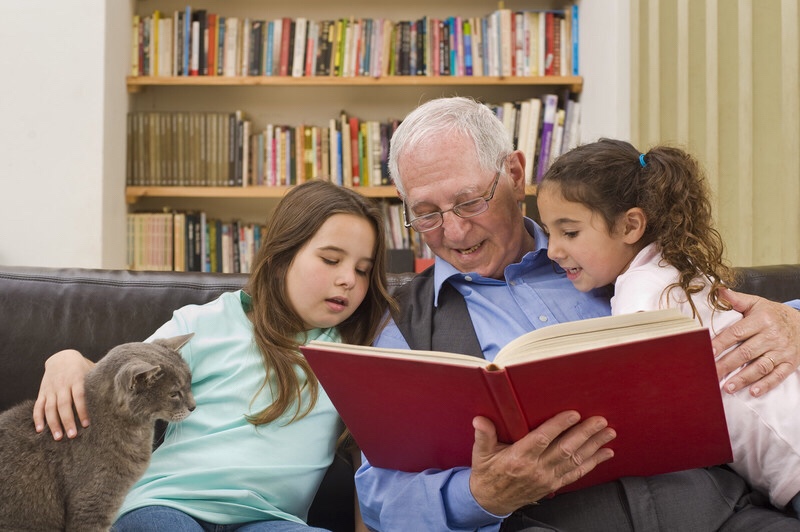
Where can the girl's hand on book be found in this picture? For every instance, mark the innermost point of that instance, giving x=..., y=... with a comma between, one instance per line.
x=768, y=339
x=560, y=451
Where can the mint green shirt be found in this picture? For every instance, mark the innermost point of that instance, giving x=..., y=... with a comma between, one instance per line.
x=215, y=465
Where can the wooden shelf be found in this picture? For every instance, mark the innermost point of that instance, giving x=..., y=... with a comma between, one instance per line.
x=137, y=83
x=133, y=194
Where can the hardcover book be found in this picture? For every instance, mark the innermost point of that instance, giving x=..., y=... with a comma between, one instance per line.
x=650, y=374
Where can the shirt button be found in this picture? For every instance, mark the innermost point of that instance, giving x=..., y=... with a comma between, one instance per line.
x=542, y=318
x=468, y=278
x=512, y=283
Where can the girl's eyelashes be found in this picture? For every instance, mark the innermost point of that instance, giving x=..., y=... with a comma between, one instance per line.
x=365, y=268
x=361, y=272
x=565, y=234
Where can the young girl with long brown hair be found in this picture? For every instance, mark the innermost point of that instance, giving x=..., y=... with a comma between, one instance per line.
x=264, y=432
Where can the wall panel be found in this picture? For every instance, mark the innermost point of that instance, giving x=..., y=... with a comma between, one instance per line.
x=720, y=78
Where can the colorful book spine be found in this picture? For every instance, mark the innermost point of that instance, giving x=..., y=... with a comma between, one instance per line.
x=574, y=41
x=187, y=39
x=220, y=61
x=550, y=106
x=467, y=48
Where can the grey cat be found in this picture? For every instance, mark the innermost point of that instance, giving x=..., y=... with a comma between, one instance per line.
x=79, y=484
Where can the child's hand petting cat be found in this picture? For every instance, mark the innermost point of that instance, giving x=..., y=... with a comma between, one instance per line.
x=61, y=394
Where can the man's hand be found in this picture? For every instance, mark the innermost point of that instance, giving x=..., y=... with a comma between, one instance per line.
x=61, y=391
x=769, y=343
x=558, y=452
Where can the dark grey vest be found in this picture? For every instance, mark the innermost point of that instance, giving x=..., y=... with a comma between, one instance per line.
x=447, y=327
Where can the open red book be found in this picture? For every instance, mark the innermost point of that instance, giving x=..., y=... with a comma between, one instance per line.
x=651, y=374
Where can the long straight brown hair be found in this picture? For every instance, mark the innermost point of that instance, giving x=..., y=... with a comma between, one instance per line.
x=297, y=218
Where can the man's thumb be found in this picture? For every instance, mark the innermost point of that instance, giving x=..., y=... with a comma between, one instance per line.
x=740, y=302
x=485, y=435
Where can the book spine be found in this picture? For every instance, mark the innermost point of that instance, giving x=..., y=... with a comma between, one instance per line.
x=194, y=68
x=550, y=107
x=422, y=49
x=574, y=40
x=354, y=156
x=298, y=60
x=467, y=48
x=187, y=41
x=508, y=418
x=203, y=44
x=286, y=30
x=211, y=54
x=549, y=44
x=557, y=28
x=220, y=53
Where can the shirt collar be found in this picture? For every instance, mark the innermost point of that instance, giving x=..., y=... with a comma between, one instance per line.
x=444, y=271
x=330, y=334
x=247, y=301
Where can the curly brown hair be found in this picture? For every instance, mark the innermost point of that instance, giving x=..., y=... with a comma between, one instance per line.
x=297, y=218
x=670, y=186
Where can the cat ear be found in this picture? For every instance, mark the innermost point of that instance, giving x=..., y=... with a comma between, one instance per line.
x=136, y=374
x=174, y=343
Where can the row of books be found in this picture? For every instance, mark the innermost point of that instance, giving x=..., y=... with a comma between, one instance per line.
x=221, y=149
x=542, y=128
x=191, y=241
x=503, y=43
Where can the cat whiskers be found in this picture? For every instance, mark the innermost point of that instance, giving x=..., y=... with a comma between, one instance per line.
x=180, y=416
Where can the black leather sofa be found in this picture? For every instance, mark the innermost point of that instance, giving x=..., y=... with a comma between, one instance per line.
x=44, y=310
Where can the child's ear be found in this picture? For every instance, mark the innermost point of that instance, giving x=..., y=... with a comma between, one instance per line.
x=634, y=224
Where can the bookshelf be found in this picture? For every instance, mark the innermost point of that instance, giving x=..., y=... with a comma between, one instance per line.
x=312, y=99
x=136, y=84
x=134, y=194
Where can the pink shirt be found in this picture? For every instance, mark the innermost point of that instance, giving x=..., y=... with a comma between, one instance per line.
x=765, y=433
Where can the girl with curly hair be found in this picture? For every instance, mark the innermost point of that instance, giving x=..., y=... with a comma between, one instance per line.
x=643, y=222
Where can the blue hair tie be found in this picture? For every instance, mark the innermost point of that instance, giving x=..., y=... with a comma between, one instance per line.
x=641, y=160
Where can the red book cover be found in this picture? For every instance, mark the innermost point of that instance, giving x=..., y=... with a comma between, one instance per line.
x=354, y=131
x=549, y=44
x=650, y=374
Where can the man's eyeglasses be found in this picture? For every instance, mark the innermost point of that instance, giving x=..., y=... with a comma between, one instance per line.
x=466, y=209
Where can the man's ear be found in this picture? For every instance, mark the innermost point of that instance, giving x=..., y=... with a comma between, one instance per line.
x=516, y=169
x=634, y=224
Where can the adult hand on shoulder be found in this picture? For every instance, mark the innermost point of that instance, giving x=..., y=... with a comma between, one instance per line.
x=769, y=343
x=61, y=394
x=560, y=451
